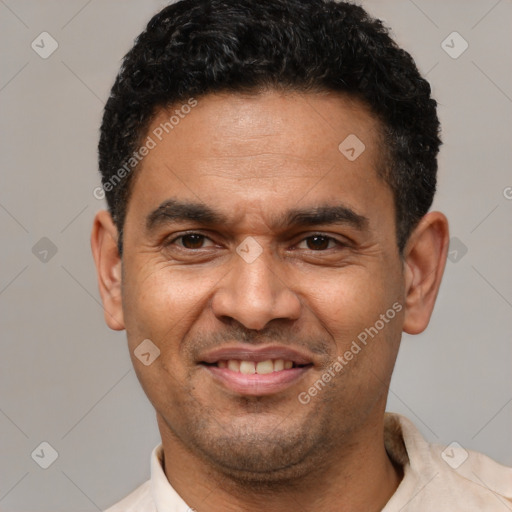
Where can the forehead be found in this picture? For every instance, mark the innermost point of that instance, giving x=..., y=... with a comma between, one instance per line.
x=227, y=124
x=263, y=151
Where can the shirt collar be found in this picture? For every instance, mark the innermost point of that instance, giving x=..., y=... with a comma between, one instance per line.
x=166, y=499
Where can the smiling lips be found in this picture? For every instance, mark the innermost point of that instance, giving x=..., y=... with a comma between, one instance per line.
x=256, y=371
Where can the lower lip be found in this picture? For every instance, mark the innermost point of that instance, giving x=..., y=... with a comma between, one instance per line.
x=256, y=384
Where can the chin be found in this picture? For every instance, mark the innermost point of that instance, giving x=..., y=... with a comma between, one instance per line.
x=259, y=457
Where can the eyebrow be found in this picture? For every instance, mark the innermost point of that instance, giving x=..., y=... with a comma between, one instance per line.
x=173, y=210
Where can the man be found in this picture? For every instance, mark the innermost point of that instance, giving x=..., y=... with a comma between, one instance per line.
x=269, y=169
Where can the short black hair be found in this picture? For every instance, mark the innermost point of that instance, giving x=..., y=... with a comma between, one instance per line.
x=195, y=47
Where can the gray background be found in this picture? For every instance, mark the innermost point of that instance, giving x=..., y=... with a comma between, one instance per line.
x=66, y=379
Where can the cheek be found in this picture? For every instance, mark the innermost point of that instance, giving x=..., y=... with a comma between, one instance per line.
x=350, y=298
x=362, y=311
x=159, y=301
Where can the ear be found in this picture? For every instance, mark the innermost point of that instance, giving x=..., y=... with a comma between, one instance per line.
x=108, y=268
x=424, y=262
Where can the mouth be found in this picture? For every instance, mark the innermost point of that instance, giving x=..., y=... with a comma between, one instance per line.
x=256, y=372
x=248, y=367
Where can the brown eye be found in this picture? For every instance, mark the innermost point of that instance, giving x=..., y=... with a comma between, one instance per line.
x=318, y=242
x=192, y=241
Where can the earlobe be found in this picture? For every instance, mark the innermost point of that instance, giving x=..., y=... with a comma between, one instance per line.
x=425, y=258
x=108, y=268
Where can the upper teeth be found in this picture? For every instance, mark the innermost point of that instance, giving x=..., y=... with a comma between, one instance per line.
x=251, y=367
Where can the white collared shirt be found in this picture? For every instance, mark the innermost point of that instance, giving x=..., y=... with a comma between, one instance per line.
x=436, y=478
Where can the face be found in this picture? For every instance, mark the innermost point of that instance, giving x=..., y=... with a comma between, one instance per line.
x=252, y=243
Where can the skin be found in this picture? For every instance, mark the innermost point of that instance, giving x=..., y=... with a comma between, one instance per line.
x=252, y=158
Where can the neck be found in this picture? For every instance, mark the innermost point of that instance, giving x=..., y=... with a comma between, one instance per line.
x=358, y=476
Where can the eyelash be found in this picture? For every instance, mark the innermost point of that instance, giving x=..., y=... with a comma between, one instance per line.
x=322, y=235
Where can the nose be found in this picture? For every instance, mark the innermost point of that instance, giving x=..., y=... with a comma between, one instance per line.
x=255, y=293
